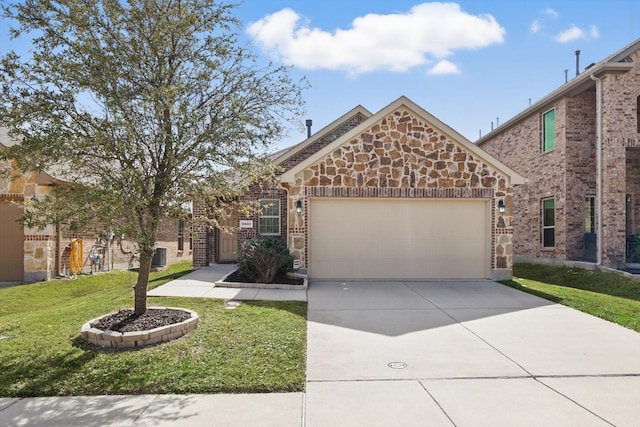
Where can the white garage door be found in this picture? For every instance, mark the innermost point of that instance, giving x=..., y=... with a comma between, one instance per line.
x=399, y=238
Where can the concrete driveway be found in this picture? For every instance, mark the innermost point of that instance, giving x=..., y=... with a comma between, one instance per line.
x=454, y=353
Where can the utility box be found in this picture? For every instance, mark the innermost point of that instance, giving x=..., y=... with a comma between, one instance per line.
x=159, y=258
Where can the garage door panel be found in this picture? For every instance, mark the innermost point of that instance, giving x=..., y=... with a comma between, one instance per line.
x=399, y=238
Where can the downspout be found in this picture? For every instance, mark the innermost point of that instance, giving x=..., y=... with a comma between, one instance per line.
x=599, y=227
x=286, y=191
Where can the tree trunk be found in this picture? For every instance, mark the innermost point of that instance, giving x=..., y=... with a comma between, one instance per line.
x=140, y=290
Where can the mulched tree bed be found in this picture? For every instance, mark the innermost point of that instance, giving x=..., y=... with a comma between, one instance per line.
x=282, y=279
x=127, y=321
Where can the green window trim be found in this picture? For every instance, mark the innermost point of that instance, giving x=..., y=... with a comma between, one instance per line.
x=549, y=131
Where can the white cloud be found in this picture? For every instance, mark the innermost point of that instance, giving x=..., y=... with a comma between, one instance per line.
x=393, y=42
x=575, y=33
x=551, y=13
x=535, y=26
x=570, y=34
x=444, y=67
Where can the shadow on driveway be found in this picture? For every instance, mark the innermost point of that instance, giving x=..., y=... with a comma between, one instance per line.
x=396, y=308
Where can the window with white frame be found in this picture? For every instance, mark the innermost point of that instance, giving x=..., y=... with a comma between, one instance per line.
x=548, y=223
x=269, y=221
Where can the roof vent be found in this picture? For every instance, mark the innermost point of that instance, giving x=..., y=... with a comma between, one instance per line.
x=308, y=123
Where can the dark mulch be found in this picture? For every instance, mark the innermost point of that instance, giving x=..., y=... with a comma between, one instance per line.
x=127, y=321
x=282, y=279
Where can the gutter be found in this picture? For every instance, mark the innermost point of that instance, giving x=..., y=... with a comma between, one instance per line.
x=564, y=90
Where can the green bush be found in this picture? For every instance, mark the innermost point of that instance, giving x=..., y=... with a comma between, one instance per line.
x=262, y=258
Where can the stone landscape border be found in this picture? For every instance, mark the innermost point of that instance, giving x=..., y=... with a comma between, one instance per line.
x=223, y=284
x=137, y=339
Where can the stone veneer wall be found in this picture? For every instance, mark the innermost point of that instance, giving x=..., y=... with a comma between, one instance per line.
x=322, y=142
x=402, y=156
x=39, y=246
x=208, y=237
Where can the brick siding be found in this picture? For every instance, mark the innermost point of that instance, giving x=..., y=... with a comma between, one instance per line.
x=568, y=173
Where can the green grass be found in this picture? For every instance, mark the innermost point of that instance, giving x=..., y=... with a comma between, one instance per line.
x=258, y=347
x=607, y=295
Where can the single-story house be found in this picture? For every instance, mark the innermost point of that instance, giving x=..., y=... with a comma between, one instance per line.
x=393, y=195
x=579, y=149
x=29, y=255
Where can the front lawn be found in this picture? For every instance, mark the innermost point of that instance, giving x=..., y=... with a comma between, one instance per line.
x=607, y=295
x=257, y=347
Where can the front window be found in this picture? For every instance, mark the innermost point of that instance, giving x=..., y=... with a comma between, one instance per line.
x=548, y=223
x=181, y=232
x=180, y=235
x=589, y=214
x=269, y=222
x=548, y=130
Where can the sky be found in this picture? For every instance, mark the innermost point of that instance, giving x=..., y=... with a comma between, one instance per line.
x=473, y=64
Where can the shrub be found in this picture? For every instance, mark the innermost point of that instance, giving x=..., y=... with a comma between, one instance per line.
x=262, y=258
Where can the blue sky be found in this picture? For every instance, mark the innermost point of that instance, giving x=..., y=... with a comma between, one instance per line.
x=469, y=63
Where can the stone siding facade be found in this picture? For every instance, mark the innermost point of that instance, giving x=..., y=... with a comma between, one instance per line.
x=322, y=142
x=209, y=237
x=45, y=251
x=401, y=156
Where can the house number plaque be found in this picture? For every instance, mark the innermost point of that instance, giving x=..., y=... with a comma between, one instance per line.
x=246, y=223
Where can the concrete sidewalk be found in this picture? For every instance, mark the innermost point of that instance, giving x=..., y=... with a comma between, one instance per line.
x=445, y=353
x=268, y=410
x=201, y=283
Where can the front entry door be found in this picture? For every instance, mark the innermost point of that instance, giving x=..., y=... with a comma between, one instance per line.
x=228, y=240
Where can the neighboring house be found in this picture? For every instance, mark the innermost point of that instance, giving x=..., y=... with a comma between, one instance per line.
x=579, y=151
x=28, y=255
x=396, y=194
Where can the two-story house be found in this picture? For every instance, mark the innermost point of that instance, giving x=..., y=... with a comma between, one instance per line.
x=578, y=149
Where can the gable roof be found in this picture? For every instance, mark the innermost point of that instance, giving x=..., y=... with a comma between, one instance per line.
x=616, y=62
x=403, y=101
x=287, y=153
